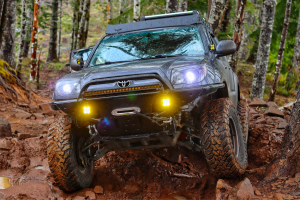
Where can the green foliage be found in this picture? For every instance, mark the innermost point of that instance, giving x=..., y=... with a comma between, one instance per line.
x=200, y=5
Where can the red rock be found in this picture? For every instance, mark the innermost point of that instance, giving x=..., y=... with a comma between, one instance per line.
x=282, y=125
x=274, y=112
x=279, y=196
x=78, y=198
x=222, y=189
x=3, y=109
x=176, y=158
x=91, y=195
x=22, y=115
x=5, y=144
x=258, y=102
x=243, y=190
x=5, y=128
x=261, y=121
x=38, y=116
x=257, y=192
x=98, y=189
x=23, y=136
x=297, y=175
x=272, y=104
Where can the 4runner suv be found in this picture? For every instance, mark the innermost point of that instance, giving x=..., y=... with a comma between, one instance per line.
x=160, y=82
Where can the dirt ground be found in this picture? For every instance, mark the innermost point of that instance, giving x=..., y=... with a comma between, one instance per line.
x=142, y=174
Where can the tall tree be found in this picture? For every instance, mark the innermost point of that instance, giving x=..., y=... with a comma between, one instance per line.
x=34, y=40
x=109, y=10
x=216, y=9
x=83, y=24
x=296, y=54
x=237, y=33
x=224, y=19
x=171, y=6
x=52, y=54
x=22, y=37
x=75, y=27
x=136, y=10
x=281, y=50
x=259, y=77
x=29, y=19
x=121, y=6
x=59, y=28
x=1, y=9
x=7, y=32
x=182, y=5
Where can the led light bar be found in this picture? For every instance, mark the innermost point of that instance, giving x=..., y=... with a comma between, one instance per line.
x=111, y=91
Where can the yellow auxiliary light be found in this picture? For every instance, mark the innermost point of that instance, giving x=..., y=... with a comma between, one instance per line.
x=86, y=110
x=166, y=102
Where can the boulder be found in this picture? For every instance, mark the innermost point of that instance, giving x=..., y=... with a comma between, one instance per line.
x=258, y=102
x=5, y=144
x=242, y=190
x=274, y=112
x=98, y=189
x=5, y=128
x=272, y=104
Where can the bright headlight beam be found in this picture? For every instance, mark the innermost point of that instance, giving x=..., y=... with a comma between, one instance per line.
x=86, y=110
x=166, y=102
x=190, y=76
x=67, y=88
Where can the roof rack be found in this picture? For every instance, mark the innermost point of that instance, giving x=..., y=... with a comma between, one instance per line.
x=177, y=14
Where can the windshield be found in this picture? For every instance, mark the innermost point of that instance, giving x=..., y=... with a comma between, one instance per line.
x=84, y=54
x=183, y=41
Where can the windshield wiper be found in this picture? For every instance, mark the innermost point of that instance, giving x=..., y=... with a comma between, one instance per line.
x=165, y=56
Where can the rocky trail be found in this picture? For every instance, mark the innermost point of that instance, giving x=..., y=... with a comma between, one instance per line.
x=167, y=173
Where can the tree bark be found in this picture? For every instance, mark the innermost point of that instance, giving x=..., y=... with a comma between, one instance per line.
x=259, y=77
x=1, y=9
x=136, y=10
x=52, y=54
x=22, y=38
x=224, y=14
x=295, y=66
x=237, y=34
x=281, y=50
x=7, y=32
x=76, y=19
x=109, y=10
x=121, y=6
x=217, y=7
x=171, y=6
x=82, y=33
x=34, y=40
x=182, y=5
x=29, y=19
x=59, y=28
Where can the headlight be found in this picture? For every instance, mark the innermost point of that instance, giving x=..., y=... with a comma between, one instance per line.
x=69, y=88
x=188, y=75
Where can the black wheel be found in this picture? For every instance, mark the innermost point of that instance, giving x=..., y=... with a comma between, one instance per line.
x=69, y=166
x=243, y=112
x=222, y=138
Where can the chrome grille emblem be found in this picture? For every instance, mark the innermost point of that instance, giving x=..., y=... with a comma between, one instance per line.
x=123, y=84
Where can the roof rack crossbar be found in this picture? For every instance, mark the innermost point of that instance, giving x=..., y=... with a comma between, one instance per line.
x=177, y=14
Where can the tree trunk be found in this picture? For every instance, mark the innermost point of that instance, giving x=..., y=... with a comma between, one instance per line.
x=1, y=9
x=296, y=55
x=136, y=10
x=281, y=50
x=76, y=19
x=237, y=34
x=171, y=6
x=121, y=6
x=29, y=19
x=217, y=7
x=34, y=40
x=182, y=5
x=109, y=10
x=259, y=77
x=7, y=32
x=52, y=55
x=224, y=14
x=22, y=38
x=82, y=25
x=59, y=28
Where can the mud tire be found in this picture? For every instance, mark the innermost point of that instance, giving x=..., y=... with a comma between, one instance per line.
x=217, y=117
x=243, y=111
x=68, y=174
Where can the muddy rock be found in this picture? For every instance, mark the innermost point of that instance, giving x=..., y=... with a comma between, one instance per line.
x=98, y=189
x=176, y=158
x=5, y=144
x=272, y=104
x=274, y=112
x=5, y=128
x=258, y=102
x=22, y=115
x=78, y=198
x=3, y=109
x=23, y=136
x=279, y=196
x=222, y=189
x=38, y=115
x=91, y=195
x=243, y=190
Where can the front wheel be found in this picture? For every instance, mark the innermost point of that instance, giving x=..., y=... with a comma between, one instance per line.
x=69, y=166
x=222, y=138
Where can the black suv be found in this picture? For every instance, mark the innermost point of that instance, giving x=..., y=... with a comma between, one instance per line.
x=160, y=82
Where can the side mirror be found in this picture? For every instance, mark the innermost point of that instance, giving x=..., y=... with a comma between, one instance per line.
x=77, y=63
x=225, y=47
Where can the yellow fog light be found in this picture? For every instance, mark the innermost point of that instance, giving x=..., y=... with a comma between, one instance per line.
x=86, y=110
x=166, y=102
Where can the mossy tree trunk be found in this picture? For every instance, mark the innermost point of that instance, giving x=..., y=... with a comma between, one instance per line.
x=75, y=27
x=34, y=40
x=52, y=54
x=28, y=34
x=136, y=10
x=281, y=50
x=182, y=5
x=171, y=6
x=109, y=10
x=59, y=28
x=83, y=24
x=214, y=16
